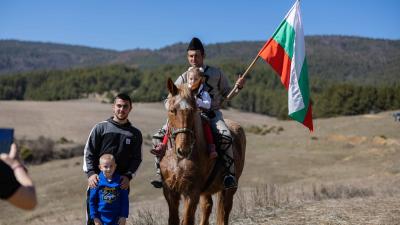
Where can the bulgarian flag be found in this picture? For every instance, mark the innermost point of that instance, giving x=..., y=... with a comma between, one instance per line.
x=285, y=52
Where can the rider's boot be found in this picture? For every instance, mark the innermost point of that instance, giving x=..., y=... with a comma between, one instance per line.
x=157, y=139
x=157, y=181
x=229, y=179
x=158, y=136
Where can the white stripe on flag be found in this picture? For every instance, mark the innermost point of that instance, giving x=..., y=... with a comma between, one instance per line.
x=295, y=99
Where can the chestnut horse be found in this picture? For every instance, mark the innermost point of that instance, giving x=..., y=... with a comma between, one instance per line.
x=186, y=168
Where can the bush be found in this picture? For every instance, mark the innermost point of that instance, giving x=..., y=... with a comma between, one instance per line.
x=45, y=149
x=264, y=129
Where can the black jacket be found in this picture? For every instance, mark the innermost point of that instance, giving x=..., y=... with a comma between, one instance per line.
x=8, y=183
x=123, y=141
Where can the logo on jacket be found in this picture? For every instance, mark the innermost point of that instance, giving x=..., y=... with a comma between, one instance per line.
x=109, y=195
x=128, y=141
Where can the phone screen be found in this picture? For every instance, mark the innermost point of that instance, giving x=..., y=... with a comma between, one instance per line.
x=6, y=139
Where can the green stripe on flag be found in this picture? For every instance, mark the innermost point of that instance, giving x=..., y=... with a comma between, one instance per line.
x=285, y=35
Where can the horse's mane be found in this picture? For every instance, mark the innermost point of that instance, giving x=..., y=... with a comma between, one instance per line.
x=184, y=93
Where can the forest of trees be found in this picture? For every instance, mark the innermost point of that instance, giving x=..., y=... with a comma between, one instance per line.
x=341, y=58
x=348, y=75
x=263, y=92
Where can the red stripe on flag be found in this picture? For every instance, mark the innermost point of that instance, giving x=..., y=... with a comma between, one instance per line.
x=275, y=55
x=308, y=120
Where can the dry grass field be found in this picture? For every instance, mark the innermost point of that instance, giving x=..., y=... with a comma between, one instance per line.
x=346, y=172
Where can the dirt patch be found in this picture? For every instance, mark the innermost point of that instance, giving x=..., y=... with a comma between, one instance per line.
x=352, y=139
x=372, y=116
x=379, y=140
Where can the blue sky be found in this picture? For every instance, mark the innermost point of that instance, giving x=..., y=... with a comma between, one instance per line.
x=129, y=24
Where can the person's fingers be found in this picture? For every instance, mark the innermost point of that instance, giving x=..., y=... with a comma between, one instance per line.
x=6, y=159
x=90, y=184
x=93, y=180
x=13, y=151
x=240, y=81
x=125, y=183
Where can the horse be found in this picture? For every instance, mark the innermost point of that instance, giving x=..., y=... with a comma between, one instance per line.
x=186, y=168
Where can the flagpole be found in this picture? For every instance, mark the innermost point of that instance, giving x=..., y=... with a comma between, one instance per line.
x=235, y=88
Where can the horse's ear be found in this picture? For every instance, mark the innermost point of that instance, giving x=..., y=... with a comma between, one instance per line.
x=172, y=87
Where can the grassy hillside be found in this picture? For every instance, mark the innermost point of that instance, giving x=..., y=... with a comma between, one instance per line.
x=23, y=56
x=361, y=60
x=346, y=172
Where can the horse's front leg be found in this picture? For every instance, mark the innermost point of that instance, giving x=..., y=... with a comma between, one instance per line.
x=189, y=209
x=173, y=206
x=206, y=204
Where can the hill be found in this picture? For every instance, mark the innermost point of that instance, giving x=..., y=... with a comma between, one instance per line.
x=23, y=56
x=341, y=58
x=346, y=172
x=348, y=75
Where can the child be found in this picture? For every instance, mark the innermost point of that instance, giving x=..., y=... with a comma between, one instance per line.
x=108, y=203
x=203, y=101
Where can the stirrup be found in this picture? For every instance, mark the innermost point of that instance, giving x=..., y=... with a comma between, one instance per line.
x=157, y=183
x=230, y=182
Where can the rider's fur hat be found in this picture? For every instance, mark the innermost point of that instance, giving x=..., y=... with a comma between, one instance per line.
x=195, y=44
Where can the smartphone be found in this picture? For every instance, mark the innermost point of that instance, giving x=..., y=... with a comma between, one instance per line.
x=6, y=139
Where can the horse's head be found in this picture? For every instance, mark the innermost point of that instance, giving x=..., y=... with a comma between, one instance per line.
x=181, y=106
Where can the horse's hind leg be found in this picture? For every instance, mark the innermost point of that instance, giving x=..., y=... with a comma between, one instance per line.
x=206, y=204
x=173, y=206
x=225, y=202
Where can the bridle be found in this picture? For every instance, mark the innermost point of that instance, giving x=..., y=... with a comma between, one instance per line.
x=173, y=132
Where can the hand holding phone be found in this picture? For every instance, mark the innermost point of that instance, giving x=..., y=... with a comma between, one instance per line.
x=6, y=139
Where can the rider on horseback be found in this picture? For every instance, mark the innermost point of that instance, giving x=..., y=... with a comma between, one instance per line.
x=217, y=84
x=203, y=102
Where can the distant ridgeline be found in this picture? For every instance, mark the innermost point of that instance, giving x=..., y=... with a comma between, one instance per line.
x=348, y=75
